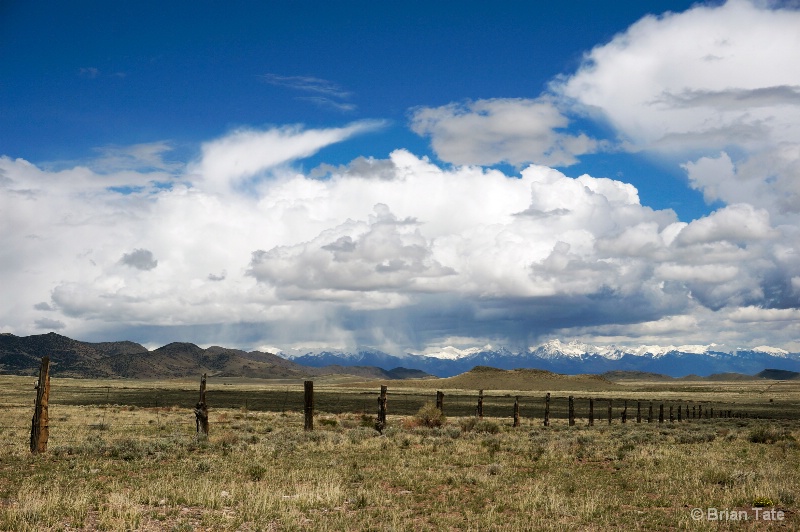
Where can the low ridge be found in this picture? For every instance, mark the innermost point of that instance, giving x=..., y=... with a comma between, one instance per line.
x=488, y=378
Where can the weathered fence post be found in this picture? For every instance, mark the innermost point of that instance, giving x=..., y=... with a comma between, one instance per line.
x=694, y=412
x=679, y=413
x=571, y=411
x=650, y=413
x=479, y=412
x=661, y=413
x=40, y=426
x=638, y=411
x=591, y=412
x=671, y=415
x=547, y=410
x=516, y=411
x=712, y=412
x=380, y=424
x=308, y=408
x=699, y=411
x=201, y=409
x=687, y=412
x=625, y=412
x=609, y=412
x=440, y=400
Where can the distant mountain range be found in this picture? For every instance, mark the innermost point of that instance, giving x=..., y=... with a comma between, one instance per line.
x=568, y=358
x=73, y=358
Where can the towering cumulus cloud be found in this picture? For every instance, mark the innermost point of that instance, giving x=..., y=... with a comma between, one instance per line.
x=714, y=80
x=403, y=252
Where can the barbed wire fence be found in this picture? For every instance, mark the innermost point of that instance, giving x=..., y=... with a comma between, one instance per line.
x=166, y=411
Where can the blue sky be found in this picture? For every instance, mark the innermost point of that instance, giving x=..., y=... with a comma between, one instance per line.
x=404, y=176
x=75, y=79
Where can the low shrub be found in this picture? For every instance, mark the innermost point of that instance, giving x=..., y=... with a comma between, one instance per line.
x=256, y=472
x=429, y=416
x=769, y=435
x=763, y=502
x=472, y=424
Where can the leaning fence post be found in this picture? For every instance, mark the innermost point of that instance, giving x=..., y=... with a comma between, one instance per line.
x=479, y=411
x=381, y=423
x=440, y=400
x=591, y=412
x=571, y=411
x=40, y=427
x=308, y=408
x=201, y=410
x=516, y=411
x=547, y=410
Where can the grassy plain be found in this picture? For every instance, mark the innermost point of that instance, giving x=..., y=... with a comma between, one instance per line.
x=124, y=455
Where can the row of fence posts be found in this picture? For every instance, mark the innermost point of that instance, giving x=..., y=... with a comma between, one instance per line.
x=380, y=423
x=40, y=422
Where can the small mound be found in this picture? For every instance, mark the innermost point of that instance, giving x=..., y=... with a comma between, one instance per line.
x=778, y=374
x=488, y=378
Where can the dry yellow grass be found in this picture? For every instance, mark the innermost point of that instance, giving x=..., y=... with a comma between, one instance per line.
x=120, y=467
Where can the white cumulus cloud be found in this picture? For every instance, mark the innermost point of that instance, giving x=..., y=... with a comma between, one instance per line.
x=398, y=252
x=502, y=130
x=716, y=85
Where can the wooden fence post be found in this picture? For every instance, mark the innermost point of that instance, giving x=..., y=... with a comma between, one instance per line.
x=661, y=413
x=308, y=408
x=516, y=411
x=591, y=412
x=650, y=413
x=638, y=411
x=671, y=415
x=381, y=423
x=571, y=412
x=694, y=412
x=479, y=412
x=440, y=401
x=679, y=413
x=40, y=426
x=547, y=410
x=699, y=411
x=712, y=412
x=201, y=409
x=625, y=412
x=609, y=412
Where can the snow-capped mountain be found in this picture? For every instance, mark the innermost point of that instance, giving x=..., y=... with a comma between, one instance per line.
x=569, y=358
